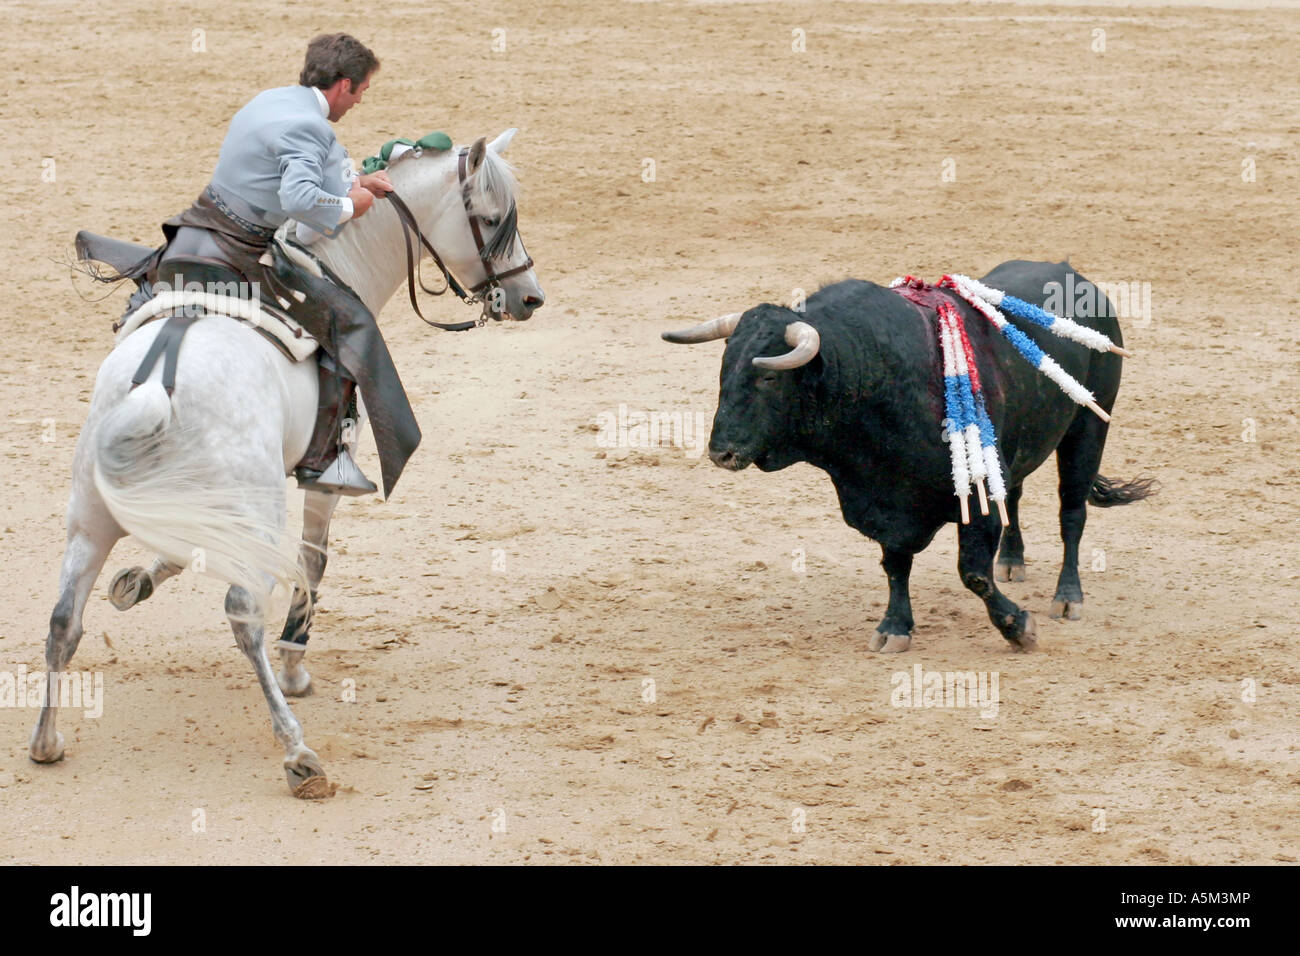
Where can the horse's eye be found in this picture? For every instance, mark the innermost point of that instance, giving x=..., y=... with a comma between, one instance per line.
x=493, y=222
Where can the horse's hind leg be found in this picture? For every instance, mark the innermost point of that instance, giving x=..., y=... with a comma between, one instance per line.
x=89, y=542
x=318, y=508
x=302, y=768
x=1077, y=459
x=130, y=586
x=1010, y=565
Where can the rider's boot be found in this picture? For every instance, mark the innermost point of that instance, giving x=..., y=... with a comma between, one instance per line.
x=328, y=467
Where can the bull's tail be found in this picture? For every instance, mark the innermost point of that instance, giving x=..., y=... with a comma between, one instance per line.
x=1105, y=493
x=160, y=487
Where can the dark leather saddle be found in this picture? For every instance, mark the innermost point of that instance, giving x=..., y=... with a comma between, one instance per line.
x=129, y=258
x=313, y=305
x=210, y=274
x=178, y=273
x=132, y=260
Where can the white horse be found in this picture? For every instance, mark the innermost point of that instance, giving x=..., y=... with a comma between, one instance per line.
x=198, y=477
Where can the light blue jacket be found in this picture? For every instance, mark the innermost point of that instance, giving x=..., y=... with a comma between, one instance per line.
x=281, y=157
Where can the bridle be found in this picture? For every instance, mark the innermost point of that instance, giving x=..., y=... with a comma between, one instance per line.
x=483, y=291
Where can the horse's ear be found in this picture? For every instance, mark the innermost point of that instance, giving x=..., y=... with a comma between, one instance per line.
x=477, y=153
x=499, y=144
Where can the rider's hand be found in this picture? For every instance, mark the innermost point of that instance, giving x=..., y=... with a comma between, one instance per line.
x=362, y=200
x=378, y=183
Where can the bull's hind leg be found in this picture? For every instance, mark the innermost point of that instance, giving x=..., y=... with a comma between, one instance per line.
x=89, y=542
x=293, y=678
x=894, y=633
x=1011, y=553
x=302, y=768
x=1077, y=459
x=976, y=544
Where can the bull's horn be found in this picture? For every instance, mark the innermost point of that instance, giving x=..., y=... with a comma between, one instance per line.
x=806, y=342
x=719, y=328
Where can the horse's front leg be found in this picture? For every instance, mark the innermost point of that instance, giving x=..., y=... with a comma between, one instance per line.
x=318, y=509
x=302, y=768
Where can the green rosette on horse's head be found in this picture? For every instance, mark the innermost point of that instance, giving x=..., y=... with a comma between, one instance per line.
x=435, y=140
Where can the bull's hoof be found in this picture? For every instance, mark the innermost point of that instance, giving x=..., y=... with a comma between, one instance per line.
x=1070, y=609
x=46, y=751
x=1009, y=571
x=884, y=643
x=129, y=587
x=1024, y=637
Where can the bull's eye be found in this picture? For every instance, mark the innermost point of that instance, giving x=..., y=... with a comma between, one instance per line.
x=768, y=376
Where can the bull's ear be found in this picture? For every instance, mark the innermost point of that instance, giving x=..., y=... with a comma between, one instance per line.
x=477, y=152
x=499, y=144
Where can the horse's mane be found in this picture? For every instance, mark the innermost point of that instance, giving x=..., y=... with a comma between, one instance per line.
x=498, y=186
x=496, y=180
x=494, y=185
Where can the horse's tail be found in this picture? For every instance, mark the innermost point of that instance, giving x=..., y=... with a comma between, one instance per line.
x=1106, y=493
x=150, y=472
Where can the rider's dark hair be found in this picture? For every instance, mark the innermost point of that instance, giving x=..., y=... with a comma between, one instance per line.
x=332, y=56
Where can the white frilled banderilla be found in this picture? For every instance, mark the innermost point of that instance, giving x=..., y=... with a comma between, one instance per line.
x=968, y=430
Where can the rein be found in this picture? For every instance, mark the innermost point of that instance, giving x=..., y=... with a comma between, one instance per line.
x=482, y=292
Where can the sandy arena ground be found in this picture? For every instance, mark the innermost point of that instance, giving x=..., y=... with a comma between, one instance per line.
x=501, y=615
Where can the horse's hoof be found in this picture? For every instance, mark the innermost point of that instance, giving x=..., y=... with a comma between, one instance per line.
x=297, y=684
x=306, y=776
x=1071, y=610
x=883, y=643
x=41, y=752
x=129, y=587
x=1028, y=637
x=1009, y=571
x=315, y=788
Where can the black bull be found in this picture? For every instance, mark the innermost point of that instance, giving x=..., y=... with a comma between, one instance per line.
x=867, y=409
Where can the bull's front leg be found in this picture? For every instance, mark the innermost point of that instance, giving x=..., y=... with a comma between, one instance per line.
x=894, y=633
x=976, y=544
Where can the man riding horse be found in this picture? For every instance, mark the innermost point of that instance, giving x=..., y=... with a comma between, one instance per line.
x=280, y=160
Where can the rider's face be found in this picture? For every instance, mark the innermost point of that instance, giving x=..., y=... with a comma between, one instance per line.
x=347, y=97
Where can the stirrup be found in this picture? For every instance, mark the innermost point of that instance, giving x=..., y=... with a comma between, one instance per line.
x=342, y=477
